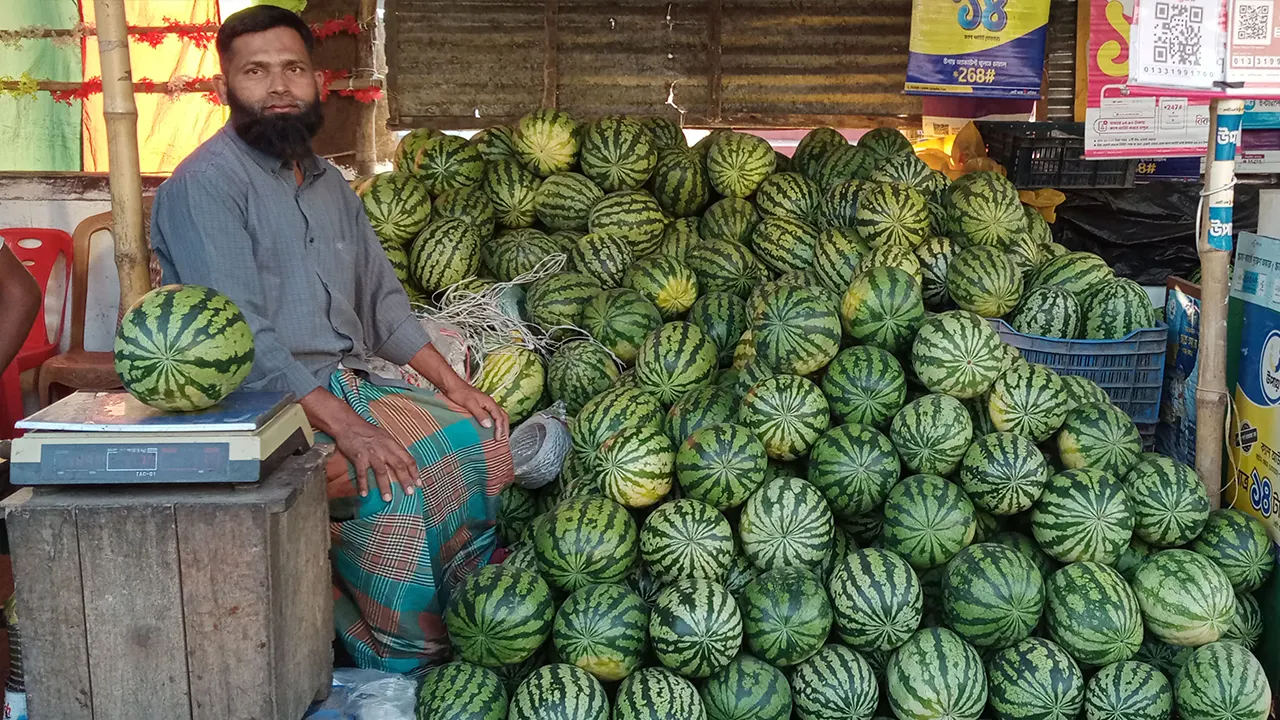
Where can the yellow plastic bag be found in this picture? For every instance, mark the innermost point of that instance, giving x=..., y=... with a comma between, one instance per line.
x=1045, y=201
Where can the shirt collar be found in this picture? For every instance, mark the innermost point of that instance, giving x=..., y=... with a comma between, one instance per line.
x=311, y=166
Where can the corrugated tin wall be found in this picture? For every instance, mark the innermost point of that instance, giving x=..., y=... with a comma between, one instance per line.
x=763, y=63
x=1060, y=61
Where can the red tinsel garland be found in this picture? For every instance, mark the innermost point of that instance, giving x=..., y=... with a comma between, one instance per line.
x=93, y=86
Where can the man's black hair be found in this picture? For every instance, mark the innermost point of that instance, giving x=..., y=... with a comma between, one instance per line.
x=261, y=18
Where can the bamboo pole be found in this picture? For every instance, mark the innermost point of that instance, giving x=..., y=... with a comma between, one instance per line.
x=366, y=128
x=1214, y=245
x=125, y=176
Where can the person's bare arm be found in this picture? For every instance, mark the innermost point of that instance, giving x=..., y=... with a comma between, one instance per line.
x=431, y=365
x=20, y=298
x=366, y=446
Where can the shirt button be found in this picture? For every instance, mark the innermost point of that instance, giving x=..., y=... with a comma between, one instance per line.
x=311, y=240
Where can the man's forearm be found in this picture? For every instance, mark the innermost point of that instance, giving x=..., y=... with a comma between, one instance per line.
x=431, y=365
x=327, y=413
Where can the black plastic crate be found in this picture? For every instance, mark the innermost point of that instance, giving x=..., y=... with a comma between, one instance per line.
x=1051, y=155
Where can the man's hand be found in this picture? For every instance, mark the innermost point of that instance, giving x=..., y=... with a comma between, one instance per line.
x=366, y=446
x=432, y=366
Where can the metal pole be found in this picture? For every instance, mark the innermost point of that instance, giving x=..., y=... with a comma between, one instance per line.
x=1214, y=245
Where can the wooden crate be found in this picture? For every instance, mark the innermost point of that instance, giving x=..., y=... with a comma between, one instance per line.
x=175, y=602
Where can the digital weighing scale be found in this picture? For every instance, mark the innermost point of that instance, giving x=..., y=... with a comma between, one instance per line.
x=110, y=438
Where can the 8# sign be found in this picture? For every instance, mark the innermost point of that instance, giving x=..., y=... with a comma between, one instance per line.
x=983, y=48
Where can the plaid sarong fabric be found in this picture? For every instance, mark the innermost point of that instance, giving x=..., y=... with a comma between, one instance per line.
x=395, y=564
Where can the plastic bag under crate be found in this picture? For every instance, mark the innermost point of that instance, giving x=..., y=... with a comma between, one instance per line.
x=1131, y=369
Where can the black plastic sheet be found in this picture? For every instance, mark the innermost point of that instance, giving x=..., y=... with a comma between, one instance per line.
x=1146, y=232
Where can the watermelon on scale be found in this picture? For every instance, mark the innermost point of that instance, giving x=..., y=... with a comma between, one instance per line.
x=602, y=629
x=182, y=348
x=686, y=540
x=936, y=675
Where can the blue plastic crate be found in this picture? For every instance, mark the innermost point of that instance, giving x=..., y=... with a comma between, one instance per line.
x=1131, y=369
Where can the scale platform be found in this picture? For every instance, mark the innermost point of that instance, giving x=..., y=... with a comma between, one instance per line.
x=109, y=438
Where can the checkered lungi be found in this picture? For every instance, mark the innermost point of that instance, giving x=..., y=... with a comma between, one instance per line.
x=395, y=564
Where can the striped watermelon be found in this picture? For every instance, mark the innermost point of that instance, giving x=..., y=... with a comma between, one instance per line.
x=513, y=190
x=905, y=169
x=666, y=132
x=747, y=689
x=634, y=466
x=992, y=595
x=1035, y=680
x=1093, y=614
x=721, y=464
x=686, y=540
x=895, y=256
x=983, y=280
x=695, y=628
x=1186, y=599
x=1029, y=549
x=604, y=256
x=1238, y=544
x=787, y=412
x=471, y=204
x=564, y=201
x=585, y=541
x=984, y=208
x=842, y=542
x=1099, y=436
x=935, y=255
x=546, y=141
x=620, y=320
x=885, y=144
x=723, y=266
x=1128, y=690
x=835, y=684
x=865, y=385
x=1222, y=680
x=732, y=219
x=931, y=434
x=1050, y=251
x=657, y=694
x=741, y=572
x=664, y=281
x=936, y=675
x=680, y=237
x=798, y=332
x=786, y=616
x=704, y=145
x=840, y=205
x=1024, y=253
x=1003, y=473
x=698, y=409
x=1079, y=273
x=813, y=149
x=1028, y=400
x=617, y=153
x=521, y=252
x=560, y=692
x=515, y=378
x=566, y=239
x=675, y=359
x=1169, y=503
x=603, y=630
x=783, y=244
x=516, y=511
x=842, y=164
x=635, y=214
x=786, y=523
x=987, y=524
x=499, y=615
x=182, y=348
x=1083, y=391
x=1048, y=311
x=397, y=205
x=1247, y=623
x=1117, y=308
x=556, y=302
x=890, y=213
x=462, y=691
x=680, y=183
x=1083, y=515
x=407, y=148
x=883, y=308
x=790, y=195
x=927, y=520
x=836, y=256
x=495, y=143
x=723, y=318
x=738, y=162
x=447, y=162
x=612, y=410
x=957, y=353
x=854, y=467
x=1133, y=556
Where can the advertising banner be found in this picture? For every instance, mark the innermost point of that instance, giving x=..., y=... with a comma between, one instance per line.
x=981, y=48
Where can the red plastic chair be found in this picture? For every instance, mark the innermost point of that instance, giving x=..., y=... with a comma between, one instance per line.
x=38, y=249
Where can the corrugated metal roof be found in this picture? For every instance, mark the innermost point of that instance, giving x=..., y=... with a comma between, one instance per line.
x=764, y=63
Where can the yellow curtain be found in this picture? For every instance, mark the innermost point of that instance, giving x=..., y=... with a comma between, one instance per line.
x=169, y=128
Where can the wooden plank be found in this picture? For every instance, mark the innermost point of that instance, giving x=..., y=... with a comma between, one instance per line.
x=226, y=590
x=715, y=71
x=46, y=566
x=551, y=54
x=700, y=120
x=133, y=613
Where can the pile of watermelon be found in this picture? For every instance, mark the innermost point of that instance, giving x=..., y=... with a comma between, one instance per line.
x=807, y=478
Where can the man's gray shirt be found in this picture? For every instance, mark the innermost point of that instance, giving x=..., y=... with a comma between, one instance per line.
x=302, y=262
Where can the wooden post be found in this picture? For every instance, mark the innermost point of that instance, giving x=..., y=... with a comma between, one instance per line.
x=366, y=129
x=132, y=252
x=1214, y=245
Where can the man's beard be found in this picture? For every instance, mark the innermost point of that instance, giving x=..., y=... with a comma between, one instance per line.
x=283, y=135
